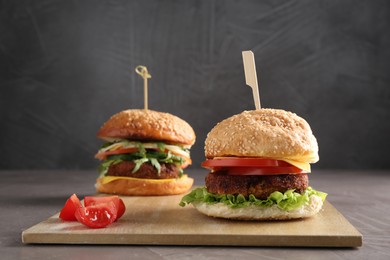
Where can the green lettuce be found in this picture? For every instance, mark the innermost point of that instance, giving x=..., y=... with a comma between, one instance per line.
x=287, y=201
x=142, y=156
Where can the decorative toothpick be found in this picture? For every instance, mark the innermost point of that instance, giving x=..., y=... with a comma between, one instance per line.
x=143, y=72
x=251, y=76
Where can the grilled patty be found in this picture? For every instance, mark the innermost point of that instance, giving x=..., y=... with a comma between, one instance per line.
x=146, y=171
x=261, y=186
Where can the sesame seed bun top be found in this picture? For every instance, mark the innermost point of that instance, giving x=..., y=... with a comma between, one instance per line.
x=268, y=133
x=148, y=125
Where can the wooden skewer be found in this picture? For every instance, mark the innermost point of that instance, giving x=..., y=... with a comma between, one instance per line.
x=143, y=72
x=251, y=76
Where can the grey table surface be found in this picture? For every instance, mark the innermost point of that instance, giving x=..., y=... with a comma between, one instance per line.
x=29, y=197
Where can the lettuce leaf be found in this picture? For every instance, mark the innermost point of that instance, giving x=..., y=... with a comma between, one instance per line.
x=142, y=156
x=287, y=201
x=138, y=164
x=103, y=168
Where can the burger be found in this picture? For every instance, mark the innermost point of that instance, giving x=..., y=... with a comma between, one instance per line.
x=144, y=153
x=259, y=163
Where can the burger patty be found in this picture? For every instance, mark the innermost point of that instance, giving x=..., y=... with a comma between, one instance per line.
x=146, y=171
x=261, y=186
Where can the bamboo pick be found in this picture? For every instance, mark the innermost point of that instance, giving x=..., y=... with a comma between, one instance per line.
x=251, y=76
x=143, y=72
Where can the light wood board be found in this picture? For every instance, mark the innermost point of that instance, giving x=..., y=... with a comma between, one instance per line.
x=161, y=221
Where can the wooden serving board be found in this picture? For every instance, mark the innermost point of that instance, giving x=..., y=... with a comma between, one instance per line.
x=161, y=221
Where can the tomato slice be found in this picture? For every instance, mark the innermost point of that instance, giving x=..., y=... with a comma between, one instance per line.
x=243, y=162
x=103, y=156
x=264, y=170
x=97, y=216
x=119, y=205
x=251, y=166
x=70, y=207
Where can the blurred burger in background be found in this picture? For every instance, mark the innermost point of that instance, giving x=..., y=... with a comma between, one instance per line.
x=145, y=153
x=259, y=162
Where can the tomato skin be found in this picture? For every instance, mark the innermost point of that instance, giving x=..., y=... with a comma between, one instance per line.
x=243, y=162
x=103, y=156
x=251, y=166
x=71, y=205
x=97, y=213
x=263, y=171
x=119, y=205
x=97, y=216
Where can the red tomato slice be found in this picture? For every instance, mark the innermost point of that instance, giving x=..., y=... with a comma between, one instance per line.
x=103, y=156
x=243, y=162
x=264, y=170
x=97, y=216
x=251, y=166
x=70, y=207
x=119, y=205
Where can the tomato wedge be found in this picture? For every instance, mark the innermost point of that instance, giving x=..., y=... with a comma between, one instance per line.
x=97, y=216
x=70, y=207
x=264, y=171
x=119, y=205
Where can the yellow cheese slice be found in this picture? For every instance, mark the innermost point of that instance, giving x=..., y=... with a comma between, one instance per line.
x=108, y=179
x=300, y=165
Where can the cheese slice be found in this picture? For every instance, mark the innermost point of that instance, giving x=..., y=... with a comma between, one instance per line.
x=108, y=179
x=300, y=165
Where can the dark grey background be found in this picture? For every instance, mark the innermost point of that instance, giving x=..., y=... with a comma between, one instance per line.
x=67, y=66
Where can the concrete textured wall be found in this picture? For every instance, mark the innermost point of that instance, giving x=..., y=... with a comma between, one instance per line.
x=67, y=66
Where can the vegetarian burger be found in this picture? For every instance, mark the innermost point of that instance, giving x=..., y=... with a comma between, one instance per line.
x=259, y=162
x=144, y=154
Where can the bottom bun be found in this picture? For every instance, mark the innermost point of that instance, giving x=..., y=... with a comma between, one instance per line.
x=221, y=210
x=145, y=187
